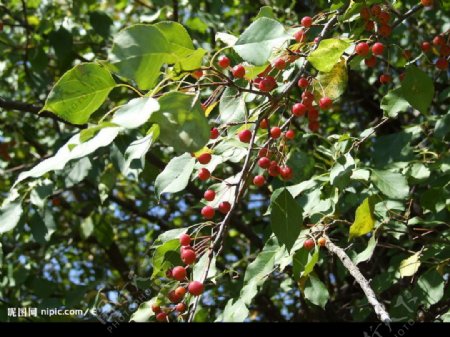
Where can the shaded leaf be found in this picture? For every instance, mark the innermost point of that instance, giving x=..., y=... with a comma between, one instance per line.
x=176, y=174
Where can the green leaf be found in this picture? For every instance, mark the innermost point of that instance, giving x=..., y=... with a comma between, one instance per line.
x=136, y=112
x=144, y=312
x=442, y=127
x=329, y=52
x=235, y=311
x=417, y=88
x=393, y=185
x=9, y=216
x=393, y=103
x=266, y=12
x=304, y=262
x=285, y=218
x=103, y=231
x=138, y=53
x=431, y=286
x=232, y=106
x=80, y=92
x=316, y=292
x=161, y=260
x=364, y=218
x=200, y=267
x=182, y=122
x=333, y=83
x=171, y=235
x=367, y=253
x=176, y=174
x=409, y=266
x=101, y=23
x=260, y=39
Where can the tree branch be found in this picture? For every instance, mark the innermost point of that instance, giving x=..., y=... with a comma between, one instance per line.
x=362, y=281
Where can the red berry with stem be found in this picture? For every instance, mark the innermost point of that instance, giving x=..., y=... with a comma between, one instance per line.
x=180, y=307
x=378, y=48
x=197, y=74
x=299, y=36
x=214, y=133
x=306, y=21
x=275, y=132
x=438, y=40
x=286, y=172
x=313, y=125
x=362, y=49
x=223, y=61
x=156, y=308
x=279, y=64
x=274, y=170
x=370, y=26
x=238, y=71
x=299, y=109
x=259, y=181
x=325, y=103
x=375, y=10
x=208, y=212
x=303, y=83
x=188, y=256
x=264, y=162
x=313, y=114
x=204, y=158
x=385, y=30
x=384, y=17
x=371, y=61
x=209, y=195
x=321, y=241
x=245, y=136
x=204, y=174
x=425, y=46
x=264, y=123
x=180, y=292
x=179, y=273
x=267, y=84
x=307, y=97
x=169, y=272
x=290, y=134
x=365, y=13
x=174, y=298
x=442, y=64
x=264, y=152
x=224, y=207
x=195, y=288
x=161, y=317
x=385, y=78
x=444, y=51
x=185, y=240
x=309, y=244
x=426, y=3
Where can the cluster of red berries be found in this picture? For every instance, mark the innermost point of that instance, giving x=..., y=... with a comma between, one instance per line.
x=309, y=244
x=179, y=273
x=369, y=53
x=268, y=161
x=440, y=45
x=377, y=18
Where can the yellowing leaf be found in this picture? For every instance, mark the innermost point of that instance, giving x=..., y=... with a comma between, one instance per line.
x=409, y=266
x=203, y=150
x=210, y=108
x=251, y=71
x=333, y=83
x=364, y=219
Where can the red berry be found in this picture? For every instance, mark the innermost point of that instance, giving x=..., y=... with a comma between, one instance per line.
x=279, y=64
x=438, y=40
x=377, y=48
x=426, y=3
x=303, y=83
x=370, y=26
x=299, y=35
x=204, y=158
x=259, y=181
x=275, y=132
x=238, y=71
x=267, y=84
x=180, y=292
x=169, y=272
x=204, y=174
x=185, y=240
x=264, y=162
x=264, y=123
x=208, y=212
x=223, y=61
x=365, y=13
x=214, y=133
x=313, y=114
x=188, y=256
x=307, y=97
x=321, y=241
x=197, y=74
x=209, y=195
x=224, y=207
x=407, y=54
x=156, y=308
x=308, y=244
x=286, y=172
x=290, y=134
x=174, y=298
x=313, y=126
x=442, y=64
x=385, y=30
x=299, y=109
x=362, y=49
x=384, y=17
x=385, y=78
x=264, y=152
x=179, y=273
x=56, y=201
x=445, y=50
x=161, y=317
x=180, y=307
x=325, y=103
x=245, y=136
x=425, y=46
x=375, y=10
x=274, y=170
x=306, y=22
x=371, y=61
x=195, y=288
